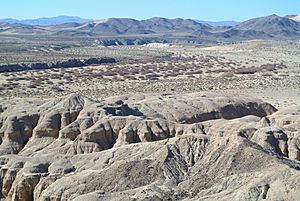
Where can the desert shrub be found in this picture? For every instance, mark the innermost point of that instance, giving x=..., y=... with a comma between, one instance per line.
x=194, y=72
x=276, y=78
x=110, y=73
x=117, y=79
x=123, y=72
x=49, y=82
x=96, y=75
x=37, y=81
x=56, y=76
x=6, y=74
x=9, y=86
x=67, y=77
x=219, y=70
x=177, y=69
x=245, y=70
x=152, y=75
x=22, y=78
x=268, y=67
x=10, y=79
x=283, y=75
x=57, y=89
x=172, y=74
x=14, y=84
x=191, y=76
x=281, y=65
x=267, y=74
x=31, y=86
x=133, y=78
x=127, y=76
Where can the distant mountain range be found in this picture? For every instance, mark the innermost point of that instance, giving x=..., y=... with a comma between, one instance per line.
x=47, y=21
x=161, y=28
x=218, y=24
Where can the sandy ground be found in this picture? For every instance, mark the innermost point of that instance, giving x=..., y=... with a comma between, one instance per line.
x=278, y=97
x=190, y=69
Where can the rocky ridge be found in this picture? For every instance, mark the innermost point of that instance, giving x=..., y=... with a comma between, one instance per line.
x=149, y=147
x=161, y=29
x=60, y=64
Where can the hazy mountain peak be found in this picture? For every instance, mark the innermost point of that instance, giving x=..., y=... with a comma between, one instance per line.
x=47, y=21
x=261, y=27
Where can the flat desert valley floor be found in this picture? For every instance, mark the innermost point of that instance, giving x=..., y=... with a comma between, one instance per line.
x=266, y=69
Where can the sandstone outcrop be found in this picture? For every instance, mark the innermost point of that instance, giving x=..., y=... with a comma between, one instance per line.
x=149, y=147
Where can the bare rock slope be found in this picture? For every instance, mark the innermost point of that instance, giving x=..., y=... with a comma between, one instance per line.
x=142, y=147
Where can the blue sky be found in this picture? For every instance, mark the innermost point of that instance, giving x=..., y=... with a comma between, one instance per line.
x=214, y=10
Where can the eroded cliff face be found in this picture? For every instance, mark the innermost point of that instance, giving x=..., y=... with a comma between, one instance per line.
x=147, y=147
x=59, y=64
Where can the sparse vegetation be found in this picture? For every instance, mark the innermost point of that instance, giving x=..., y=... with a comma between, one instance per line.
x=194, y=69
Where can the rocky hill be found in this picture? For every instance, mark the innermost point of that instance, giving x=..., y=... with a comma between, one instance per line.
x=126, y=26
x=19, y=29
x=170, y=30
x=271, y=25
x=149, y=147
